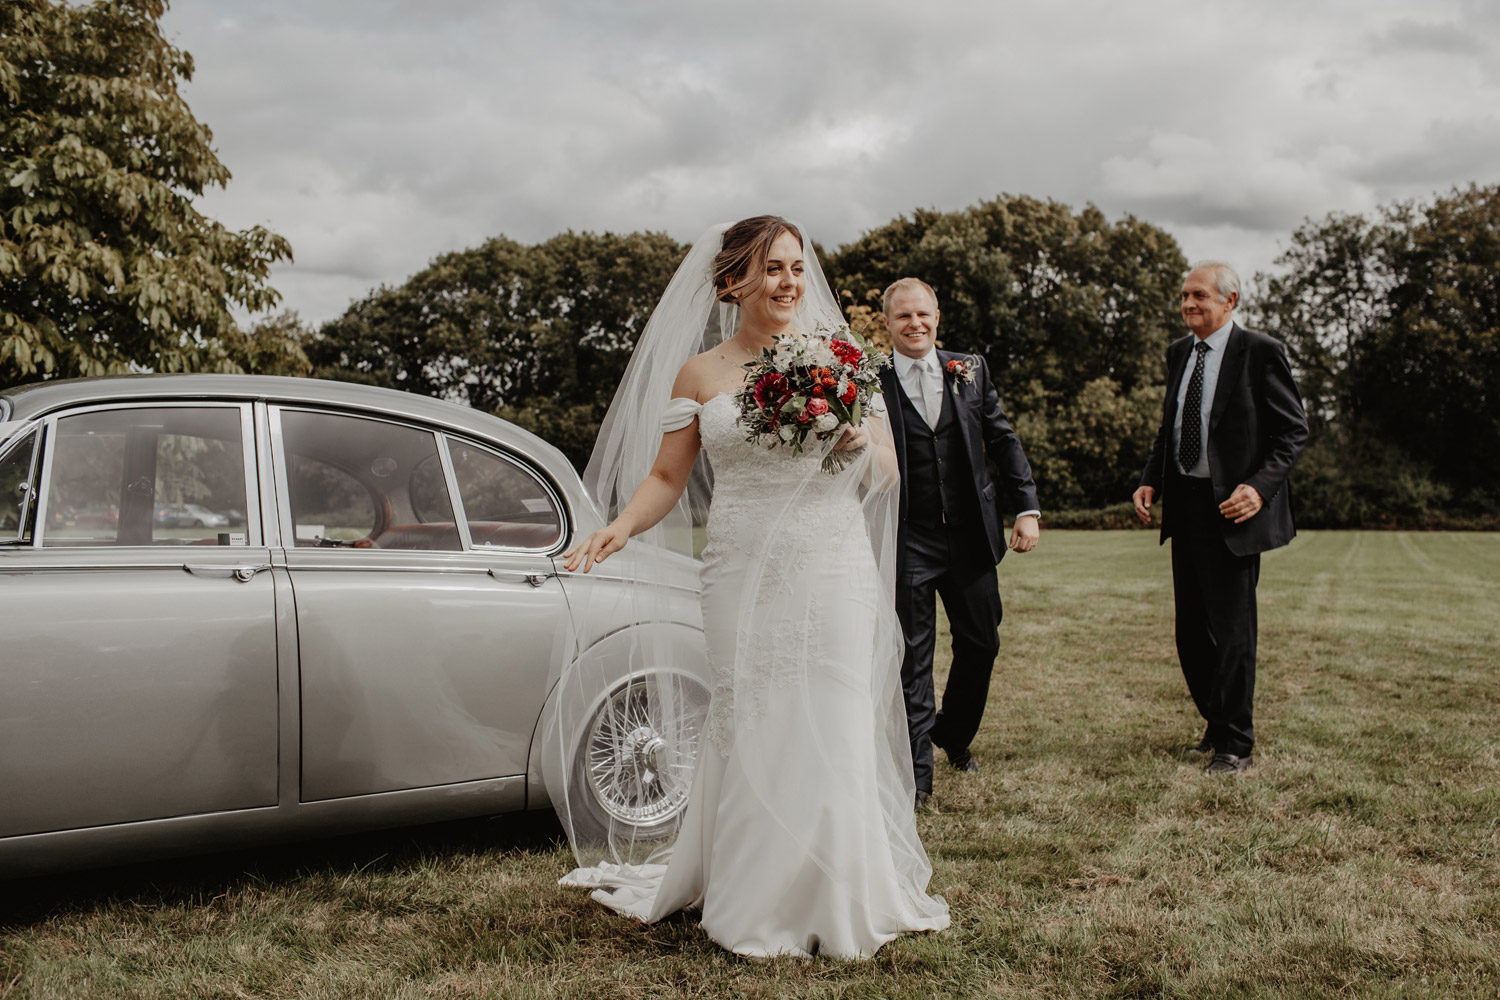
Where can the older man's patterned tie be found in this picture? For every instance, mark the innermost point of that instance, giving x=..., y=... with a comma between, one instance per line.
x=1191, y=441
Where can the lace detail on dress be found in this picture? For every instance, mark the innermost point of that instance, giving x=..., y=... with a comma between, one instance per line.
x=773, y=514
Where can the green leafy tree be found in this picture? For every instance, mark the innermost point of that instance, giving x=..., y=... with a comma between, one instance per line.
x=458, y=329
x=1429, y=378
x=273, y=346
x=1089, y=448
x=1394, y=326
x=1044, y=293
x=1333, y=292
x=539, y=334
x=105, y=265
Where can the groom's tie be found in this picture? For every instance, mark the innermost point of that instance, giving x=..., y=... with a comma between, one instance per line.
x=930, y=413
x=1191, y=441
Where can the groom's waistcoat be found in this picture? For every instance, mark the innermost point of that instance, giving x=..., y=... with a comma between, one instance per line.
x=939, y=482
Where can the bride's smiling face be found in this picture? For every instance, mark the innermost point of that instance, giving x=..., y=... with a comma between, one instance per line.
x=773, y=301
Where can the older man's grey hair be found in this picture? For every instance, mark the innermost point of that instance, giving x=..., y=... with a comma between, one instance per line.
x=1226, y=279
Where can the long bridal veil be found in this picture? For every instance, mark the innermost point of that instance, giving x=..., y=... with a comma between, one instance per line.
x=805, y=698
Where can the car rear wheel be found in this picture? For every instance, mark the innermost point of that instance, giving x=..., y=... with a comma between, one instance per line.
x=634, y=761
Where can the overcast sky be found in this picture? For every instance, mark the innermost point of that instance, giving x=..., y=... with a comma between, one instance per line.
x=377, y=134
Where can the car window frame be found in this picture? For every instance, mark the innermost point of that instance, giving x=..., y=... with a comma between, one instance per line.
x=281, y=471
x=36, y=432
x=254, y=530
x=442, y=433
x=527, y=468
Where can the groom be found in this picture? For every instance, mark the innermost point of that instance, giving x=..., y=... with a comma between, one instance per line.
x=946, y=418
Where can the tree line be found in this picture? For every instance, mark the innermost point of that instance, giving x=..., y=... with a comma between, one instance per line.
x=1392, y=321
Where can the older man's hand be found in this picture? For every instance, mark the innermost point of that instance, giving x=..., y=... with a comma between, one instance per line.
x=1243, y=504
x=1143, y=497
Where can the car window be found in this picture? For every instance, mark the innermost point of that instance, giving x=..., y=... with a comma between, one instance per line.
x=505, y=504
x=360, y=483
x=147, y=476
x=18, y=472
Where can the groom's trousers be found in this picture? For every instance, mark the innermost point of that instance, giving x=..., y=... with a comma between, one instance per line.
x=941, y=561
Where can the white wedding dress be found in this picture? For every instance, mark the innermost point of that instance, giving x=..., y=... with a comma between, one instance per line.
x=798, y=836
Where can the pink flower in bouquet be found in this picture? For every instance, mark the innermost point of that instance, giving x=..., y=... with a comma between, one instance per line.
x=817, y=407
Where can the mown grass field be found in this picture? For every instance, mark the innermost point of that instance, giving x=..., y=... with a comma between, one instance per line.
x=1090, y=857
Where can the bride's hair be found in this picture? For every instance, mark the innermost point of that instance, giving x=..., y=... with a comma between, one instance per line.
x=743, y=253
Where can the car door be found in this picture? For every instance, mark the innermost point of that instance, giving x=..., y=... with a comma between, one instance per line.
x=138, y=667
x=424, y=634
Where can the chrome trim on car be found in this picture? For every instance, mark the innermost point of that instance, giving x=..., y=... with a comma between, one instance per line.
x=364, y=561
x=243, y=573
x=265, y=480
x=535, y=579
x=455, y=498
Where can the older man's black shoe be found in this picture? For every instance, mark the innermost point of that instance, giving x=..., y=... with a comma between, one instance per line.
x=964, y=762
x=1228, y=763
x=1203, y=746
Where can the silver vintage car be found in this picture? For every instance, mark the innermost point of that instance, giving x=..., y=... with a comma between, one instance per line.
x=241, y=608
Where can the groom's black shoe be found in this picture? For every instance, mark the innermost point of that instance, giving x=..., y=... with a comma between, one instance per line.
x=1204, y=745
x=922, y=798
x=963, y=761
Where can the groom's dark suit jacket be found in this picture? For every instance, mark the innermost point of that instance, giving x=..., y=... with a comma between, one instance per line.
x=1256, y=429
x=985, y=430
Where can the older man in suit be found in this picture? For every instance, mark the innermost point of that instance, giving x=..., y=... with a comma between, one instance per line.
x=946, y=418
x=1232, y=427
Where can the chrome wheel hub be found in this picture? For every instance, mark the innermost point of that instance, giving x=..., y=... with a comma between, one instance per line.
x=639, y=762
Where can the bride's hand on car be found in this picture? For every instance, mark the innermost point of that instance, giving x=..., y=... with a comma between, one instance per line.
x=596, y=547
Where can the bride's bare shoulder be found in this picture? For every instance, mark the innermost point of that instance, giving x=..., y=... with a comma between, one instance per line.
x=704, y=376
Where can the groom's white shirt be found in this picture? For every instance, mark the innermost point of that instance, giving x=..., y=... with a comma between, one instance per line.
x=911, y=382
x=911, y=378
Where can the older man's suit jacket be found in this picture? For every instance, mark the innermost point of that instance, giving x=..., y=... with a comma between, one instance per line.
x=1256, y=429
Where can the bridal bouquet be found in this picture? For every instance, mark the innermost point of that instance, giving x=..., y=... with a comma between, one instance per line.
x=810, y=385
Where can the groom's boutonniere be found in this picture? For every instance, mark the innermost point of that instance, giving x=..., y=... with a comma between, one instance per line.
x=962, y=370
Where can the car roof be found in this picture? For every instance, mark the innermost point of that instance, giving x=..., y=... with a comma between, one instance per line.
x=27, y=402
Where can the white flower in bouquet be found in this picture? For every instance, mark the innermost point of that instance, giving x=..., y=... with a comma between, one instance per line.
x=816, y=353
x=824, y=423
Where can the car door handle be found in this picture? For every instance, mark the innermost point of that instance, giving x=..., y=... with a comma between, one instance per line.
x=243, y=573
x=515, y=576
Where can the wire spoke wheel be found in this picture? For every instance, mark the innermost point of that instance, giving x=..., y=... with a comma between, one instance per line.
x=641, y=748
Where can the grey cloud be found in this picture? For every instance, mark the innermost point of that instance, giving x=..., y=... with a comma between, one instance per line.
x=1450, y=155
x=379, y=135
x=1414, y=36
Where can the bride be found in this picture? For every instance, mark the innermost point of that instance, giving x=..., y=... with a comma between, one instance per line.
x=798, y=836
